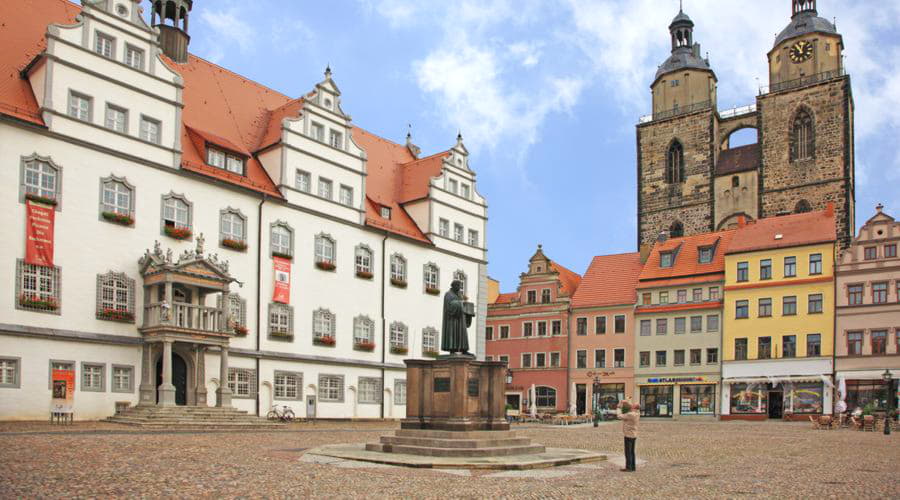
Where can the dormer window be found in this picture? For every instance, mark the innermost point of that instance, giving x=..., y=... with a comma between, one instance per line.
x=453, y=186
x=386, y=213
x=666, y=259
x=225, y=161
x=317, y=131
x=705, y=255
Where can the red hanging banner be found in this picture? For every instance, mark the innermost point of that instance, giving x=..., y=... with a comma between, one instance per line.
x=282, y=293
x=39, y=221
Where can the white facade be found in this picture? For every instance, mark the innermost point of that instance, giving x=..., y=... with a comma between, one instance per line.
x=85, y=152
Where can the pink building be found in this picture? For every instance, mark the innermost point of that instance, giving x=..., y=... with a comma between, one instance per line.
x=530, y=330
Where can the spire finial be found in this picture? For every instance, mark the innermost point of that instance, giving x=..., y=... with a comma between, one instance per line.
x=680, y=6
x=879, y=207
x=408, y=131
x=328, y=71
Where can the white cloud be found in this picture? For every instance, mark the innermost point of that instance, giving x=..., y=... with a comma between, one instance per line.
x=529, y=54
x=229, y=27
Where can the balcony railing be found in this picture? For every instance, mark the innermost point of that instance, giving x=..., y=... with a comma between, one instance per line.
x=189, y=316
x=681, y=110
x=802, y=81
x=735, y=112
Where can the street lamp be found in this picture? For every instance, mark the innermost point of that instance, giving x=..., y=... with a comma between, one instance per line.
x=508, y=376
x=889, y=380
x=596, y=399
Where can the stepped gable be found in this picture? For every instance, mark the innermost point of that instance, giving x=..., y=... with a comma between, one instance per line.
x=610, y=280
x=739, y=159
x=687, y=267
x=786, y=231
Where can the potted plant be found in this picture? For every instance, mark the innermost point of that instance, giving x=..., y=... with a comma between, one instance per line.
x=37, y=302
x=396, y=349
x=430, y=353
x=364, y=346
x=116, y=315
x=240, y=330
x=324, y=341
x=234, y=244
x=399, y=283
x=179, y=233
x=432, y=291
x=366, y=275
x=282, y=255
x=117, y=218
x=325, y=265
x=40, y=199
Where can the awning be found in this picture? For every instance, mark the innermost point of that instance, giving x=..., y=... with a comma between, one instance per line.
x=776, y=380
x=866, y=375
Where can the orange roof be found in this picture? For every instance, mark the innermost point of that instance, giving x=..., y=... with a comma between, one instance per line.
x=786, y=231
x=506, y=298
x=221, y=108
x=609, y=280
x=687, y=252
x=570, y=280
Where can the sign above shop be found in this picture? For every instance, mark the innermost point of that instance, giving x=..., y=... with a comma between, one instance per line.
x=675, y=380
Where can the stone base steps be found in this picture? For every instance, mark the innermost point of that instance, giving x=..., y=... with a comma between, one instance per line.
x=454, y=443
x=499, y=451
x=469, y=444
x=190, y=417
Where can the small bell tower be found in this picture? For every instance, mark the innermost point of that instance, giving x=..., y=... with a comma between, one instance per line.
x=171, y=18
x=801, y=6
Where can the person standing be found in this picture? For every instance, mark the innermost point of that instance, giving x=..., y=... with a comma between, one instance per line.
x=629, y=416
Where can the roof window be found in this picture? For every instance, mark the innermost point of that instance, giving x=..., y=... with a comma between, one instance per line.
x=386, y=213
x=666, y=259
x=226, y=161
x=706, y=254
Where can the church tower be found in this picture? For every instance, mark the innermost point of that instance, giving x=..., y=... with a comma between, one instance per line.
x=675, y=149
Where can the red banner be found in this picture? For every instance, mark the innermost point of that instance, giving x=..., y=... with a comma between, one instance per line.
x=39, y=234
x=282, y=291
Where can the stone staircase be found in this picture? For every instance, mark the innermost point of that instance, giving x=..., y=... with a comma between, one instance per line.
x=190, y=418
x=435, y=443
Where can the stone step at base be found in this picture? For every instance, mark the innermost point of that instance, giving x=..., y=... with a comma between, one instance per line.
x=201, y=426
x=457, y=452
x=435, y=434
x=190, y=417
x=126, y=418
x=455, y=443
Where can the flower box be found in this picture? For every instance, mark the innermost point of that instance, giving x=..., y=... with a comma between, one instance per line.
x=275, y=334
x=282, y=255
x=36, y=302
x=234, y=244
x=399, y=350
x=240, y=330
x=430, y=354
x=325, y=265
x=398, y=283
x=432, y=291
x=115, y=315
x=117, y=218
x=179, y=233
x=364, y=346
x=40, y=199
x=324, y=341
x=366, y=275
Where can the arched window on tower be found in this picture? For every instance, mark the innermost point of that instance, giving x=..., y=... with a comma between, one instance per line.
x=675, y=163
x=676, y=230
x=802, y=207
x=803, y=138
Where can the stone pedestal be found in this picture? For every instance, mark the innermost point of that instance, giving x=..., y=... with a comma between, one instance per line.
x=455, y=393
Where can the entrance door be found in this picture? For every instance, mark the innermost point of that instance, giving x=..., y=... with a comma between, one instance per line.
x=310, y=407
x=179, y=378
x=776, y=403
x=580, y=399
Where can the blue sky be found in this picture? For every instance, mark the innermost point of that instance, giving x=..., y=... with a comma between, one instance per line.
x=545, y=92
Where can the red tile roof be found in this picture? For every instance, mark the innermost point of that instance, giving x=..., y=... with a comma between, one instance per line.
x=221, y=108
x=506, y=298
x=687, y=261
x=785, y=231
x=570, y=280
x=740, y=159
x=609, y=280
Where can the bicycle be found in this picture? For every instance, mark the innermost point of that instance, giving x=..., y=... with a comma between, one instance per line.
x=285, y=414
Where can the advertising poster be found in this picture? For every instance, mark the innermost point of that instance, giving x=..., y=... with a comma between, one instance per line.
x=63, y=391
x=282, y=292
x=39, y=233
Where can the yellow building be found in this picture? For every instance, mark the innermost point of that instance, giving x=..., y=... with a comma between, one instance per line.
x=778, y=337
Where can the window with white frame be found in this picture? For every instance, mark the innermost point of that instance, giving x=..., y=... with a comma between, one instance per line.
x=463, y=280
x=281, y=320
x=398, y=335
x=37, y=287
x=80, y=106
x=317, y=131
x=115, y=296
x=323, y=324
x=336, y=139
x=150, y=130
x=104, y=45
x=324, y=249
x=41, y=178
x=363, y=330
x=386, y=213
x=116, y=118
x=93, y=377
x=429, y=340
x=464, y=190
x=288, y=385
x=453, y=186
x=444, y=228
x=399, y=392
x=432, y=275
x=134, y=57
x=117, y=197
x=176, y=212
x=325, y=188
x=9, y=372
x=234, y=164
x=458, y=232
x=226, y=161
x=473, y=237
x=232, y=227
x=346, y=196
x=369, y=390
x=282, y=240
x=302, y=181
x=331, y=388
x=122, y=379
x=363, y=259
x=236, y=309
x=242, y=382
x=398, y=268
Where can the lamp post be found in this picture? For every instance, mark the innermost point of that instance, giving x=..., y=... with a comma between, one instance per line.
x=889, y=380
x=594, y=390
x=508, y=376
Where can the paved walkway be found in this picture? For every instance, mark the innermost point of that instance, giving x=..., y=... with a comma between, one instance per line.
x=682, y=460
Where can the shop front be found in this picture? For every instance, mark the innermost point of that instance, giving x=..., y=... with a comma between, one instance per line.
x=867, y=390
x=601, y=390
x=777, y=389
x=678, y=397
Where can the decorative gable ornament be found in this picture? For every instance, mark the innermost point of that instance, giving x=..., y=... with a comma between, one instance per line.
x=191, y=263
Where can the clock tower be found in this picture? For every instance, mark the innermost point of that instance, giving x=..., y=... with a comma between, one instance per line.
x=809, y=45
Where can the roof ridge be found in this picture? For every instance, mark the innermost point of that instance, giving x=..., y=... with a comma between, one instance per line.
x=419, y=160
x=226, y=70
x=615, y=255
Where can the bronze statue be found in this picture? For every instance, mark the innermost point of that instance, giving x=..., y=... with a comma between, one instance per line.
x=457, y=318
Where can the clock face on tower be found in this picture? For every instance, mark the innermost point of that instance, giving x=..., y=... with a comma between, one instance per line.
x=801, y=51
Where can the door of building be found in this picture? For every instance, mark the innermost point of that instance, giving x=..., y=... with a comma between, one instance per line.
x=776, y=404
x=580, y=399
x=310, y=407
x=179, y=378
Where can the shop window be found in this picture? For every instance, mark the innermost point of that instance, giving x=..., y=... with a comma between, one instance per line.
x=656, y=401
x=698, y=399
x=545, y=397
x=749, y=399
x=862, y=393
x=803, y=397
x=608, y=396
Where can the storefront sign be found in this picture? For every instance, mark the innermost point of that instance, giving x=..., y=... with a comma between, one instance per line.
x=675, y=380
x=39, y=233
x=63, y=391
x=282, y=293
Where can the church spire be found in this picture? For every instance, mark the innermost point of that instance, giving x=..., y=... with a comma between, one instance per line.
x=682, y=31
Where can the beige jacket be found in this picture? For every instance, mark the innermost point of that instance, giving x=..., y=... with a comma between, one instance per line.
x=629, y=422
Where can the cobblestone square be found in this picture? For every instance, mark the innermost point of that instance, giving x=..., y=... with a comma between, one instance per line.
x=681, y=460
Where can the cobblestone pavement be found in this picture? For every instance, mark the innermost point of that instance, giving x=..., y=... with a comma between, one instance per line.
x=683, y=460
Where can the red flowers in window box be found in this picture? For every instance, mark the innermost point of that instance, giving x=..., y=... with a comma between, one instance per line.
x=430, y=354
x=234, y=244
x=38, y=302
x=325, y=265
x=240, y=330
x=396, y=349
x=366, y=275
x=282, y=255
x=364, y=346
x=324, y=341
x=40, y=199
x=179, y=233
x=398, y=283
x=117, y=218
x=432, y=291
x=115, y=315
